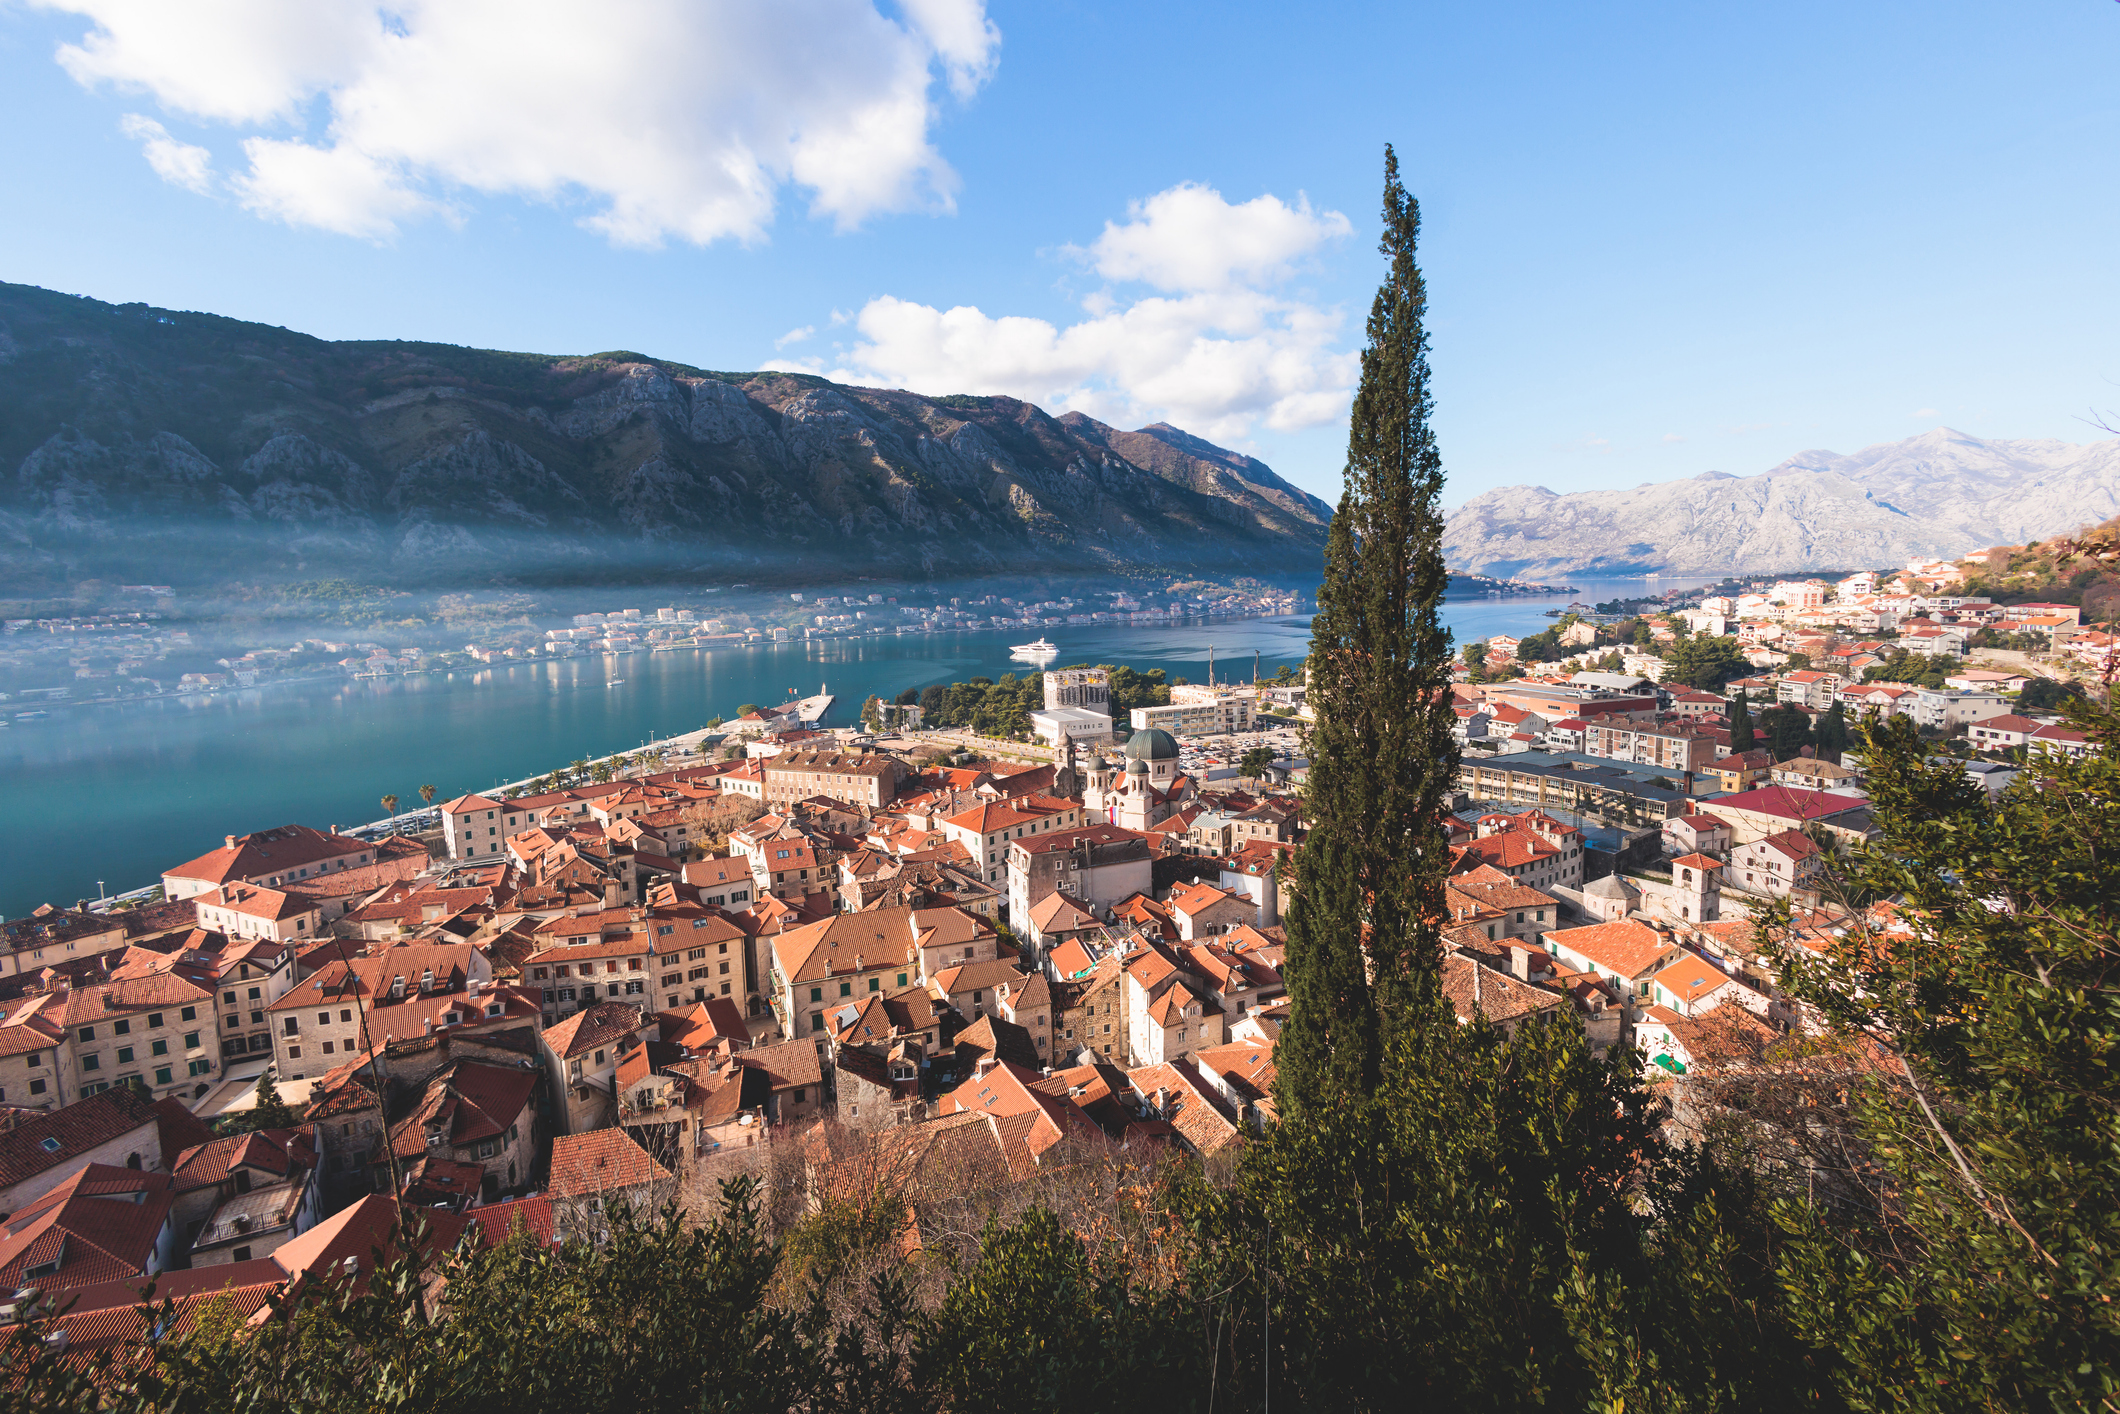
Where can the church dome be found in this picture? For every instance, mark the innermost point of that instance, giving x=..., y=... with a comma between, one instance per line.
x=1137, y=767
x=1151, y=744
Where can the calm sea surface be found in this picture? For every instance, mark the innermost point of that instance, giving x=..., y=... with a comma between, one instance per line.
x=116, y=793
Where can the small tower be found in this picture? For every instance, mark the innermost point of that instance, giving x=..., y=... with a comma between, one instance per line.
x=1696, y=881
x=1096, y=790
x=1066, y=782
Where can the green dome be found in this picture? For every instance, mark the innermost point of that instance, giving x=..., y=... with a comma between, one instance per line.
x=1151, y=744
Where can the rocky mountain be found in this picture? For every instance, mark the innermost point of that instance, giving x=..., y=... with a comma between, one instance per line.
x=148, y=444
x=1942, y=493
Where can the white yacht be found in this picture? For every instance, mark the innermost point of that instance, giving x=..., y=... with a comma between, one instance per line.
x=1037, y=648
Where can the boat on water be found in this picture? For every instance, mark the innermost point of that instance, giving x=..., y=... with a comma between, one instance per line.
x=30, y=716
x=1040, y=647
x=616, y=682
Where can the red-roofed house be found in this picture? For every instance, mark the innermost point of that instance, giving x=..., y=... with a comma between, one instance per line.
x=102, y=1224
x=1777, y=864
x=1697, y=834
x=159, y=1028
x=1202, y=910
x=604, y=1166
x=1626, y=952
x=271, y=858
x=581, y=1055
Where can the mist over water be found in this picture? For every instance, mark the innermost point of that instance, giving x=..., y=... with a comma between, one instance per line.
x=117, y=793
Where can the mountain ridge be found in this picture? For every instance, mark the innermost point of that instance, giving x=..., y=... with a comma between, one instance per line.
x=150, y=443
x=1941, y=493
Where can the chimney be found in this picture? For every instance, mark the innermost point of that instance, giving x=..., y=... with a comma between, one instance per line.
x=1162, y=1100
x=611, y=899
x=1520, y=964
x=427, y=1028
x=471, y=989
x=231, y=841
x=982, y=1066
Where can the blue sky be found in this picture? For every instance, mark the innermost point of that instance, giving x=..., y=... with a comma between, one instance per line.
x=1660, y=239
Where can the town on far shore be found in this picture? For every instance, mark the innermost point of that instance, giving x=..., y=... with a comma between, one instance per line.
x=1053, y=924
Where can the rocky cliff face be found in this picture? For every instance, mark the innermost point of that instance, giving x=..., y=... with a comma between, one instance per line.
x=148, y=444
x=1942, y=493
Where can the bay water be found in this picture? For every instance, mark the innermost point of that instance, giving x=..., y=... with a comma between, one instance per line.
x=97, y=799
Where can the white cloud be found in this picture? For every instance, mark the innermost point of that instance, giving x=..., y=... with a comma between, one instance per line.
x=181, y=164
x=1925, y=412
x=794, y=336
x=1218, y=352
x=679, y=119
x=1673, y=437
x=1189, y=238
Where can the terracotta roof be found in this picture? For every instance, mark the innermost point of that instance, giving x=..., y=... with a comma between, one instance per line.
x=274, y=1151
x=600, y=1161
x=1690, y=978
x=497, y=1222
x=356, y=1233
x=977, y=976
x=102, y=1224
x=1005, y=1091
x=85, y=1006
x=845, y=943
x=1005, y=1040
x=603, y=1024
x=1790, y=844
x=1193, y=1108
x=464, y=1104
x=1057, y=913
x=178, y=1128
x=787, y=1063
x=29, y=1149
x=1624, y=947
x=267, y=852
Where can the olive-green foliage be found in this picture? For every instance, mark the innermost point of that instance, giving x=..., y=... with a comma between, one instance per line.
x=1990, y=1282
x=1915, y=669
x=1704, y=662
x=1041, y=1324
x=1495, y=1228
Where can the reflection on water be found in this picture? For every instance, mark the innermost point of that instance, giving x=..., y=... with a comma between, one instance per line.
x=119, y=792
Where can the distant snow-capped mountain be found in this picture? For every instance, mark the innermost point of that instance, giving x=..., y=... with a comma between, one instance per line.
x=1942, y=493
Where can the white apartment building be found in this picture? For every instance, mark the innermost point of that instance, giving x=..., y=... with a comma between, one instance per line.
x=1222, y=716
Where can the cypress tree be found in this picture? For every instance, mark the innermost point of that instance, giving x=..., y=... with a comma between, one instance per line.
x=1363, y=930
x=1833, y=733
x=1740, y=725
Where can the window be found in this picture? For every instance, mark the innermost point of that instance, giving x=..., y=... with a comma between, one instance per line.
x=901, y=979
x=817, y=1021
x=88, y=1033
x=121, y=1027
x=92, y=1062
x=327, y=1048
x=36, y=1087
x=162, y=1075
x=846, y=989
x=294, y=1053
x=199, y=1067
x=190, y=1013
x=816, y=994
x=48, y=1145
x=125, y=1055
x=228, y=998
x=191, y=1040
x=255, y=995
x=800, y=1095
x=346, y=1014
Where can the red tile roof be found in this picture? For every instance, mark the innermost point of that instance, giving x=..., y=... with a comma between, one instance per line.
x=100, y=1225
x=42, y=1142
x=604, y=1024
x=600, y=1161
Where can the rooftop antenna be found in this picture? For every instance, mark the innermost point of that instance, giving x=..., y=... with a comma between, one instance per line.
x=1210, y=665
